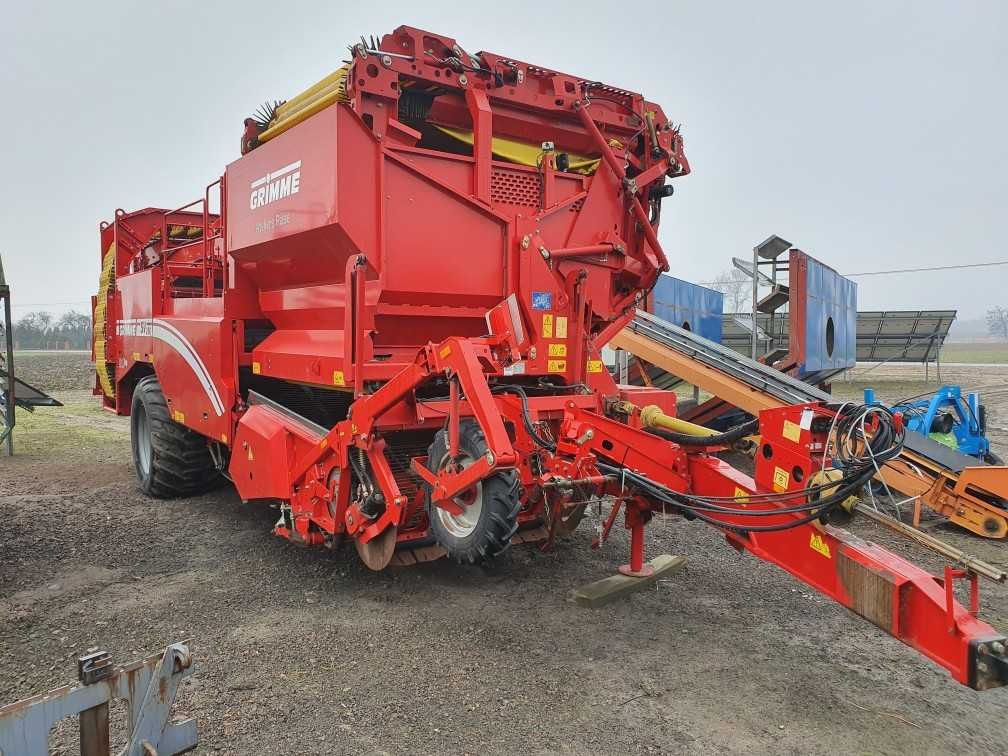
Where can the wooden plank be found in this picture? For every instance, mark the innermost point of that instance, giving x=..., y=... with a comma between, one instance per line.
x=404, y=558
x=607, y=590
x=94, y=731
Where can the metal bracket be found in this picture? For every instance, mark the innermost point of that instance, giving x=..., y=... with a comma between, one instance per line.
x=149, y=688
x=94, y=667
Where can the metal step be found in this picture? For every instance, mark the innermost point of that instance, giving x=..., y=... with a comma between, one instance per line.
x=777, y=354
x=777, y=298
x=26, y=396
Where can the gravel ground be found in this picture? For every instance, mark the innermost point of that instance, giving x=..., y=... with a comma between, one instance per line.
x=302, y=651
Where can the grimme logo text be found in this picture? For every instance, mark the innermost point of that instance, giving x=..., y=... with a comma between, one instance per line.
x=275, y=185
x=134, y=327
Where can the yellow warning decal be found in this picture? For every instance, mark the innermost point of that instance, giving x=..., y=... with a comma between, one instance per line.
x=557, y=350
x=256, y=368
x=781, y=478
x=561, y=327
x=818, y=543
x=136, y=356
x=792, y=431
x=338, y=379
x=547, y=329
x=556, y=366
x=445, y=351
x=594, y=366
x=178, y=416
x=741, y=495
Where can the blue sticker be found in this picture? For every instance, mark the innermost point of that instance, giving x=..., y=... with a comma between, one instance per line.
x=542, y=300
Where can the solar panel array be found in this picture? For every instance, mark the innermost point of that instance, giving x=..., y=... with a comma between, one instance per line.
x=882, y=335
x=902, y=335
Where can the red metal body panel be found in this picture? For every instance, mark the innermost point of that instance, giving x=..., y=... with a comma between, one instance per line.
x=360, y=273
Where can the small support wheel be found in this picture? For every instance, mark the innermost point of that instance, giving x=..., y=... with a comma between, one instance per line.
x=490, y=508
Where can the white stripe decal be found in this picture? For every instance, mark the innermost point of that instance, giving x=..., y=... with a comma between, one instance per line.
x=166, y=333
x=276, y=174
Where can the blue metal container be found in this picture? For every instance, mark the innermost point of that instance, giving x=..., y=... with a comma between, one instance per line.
x=830, y=320
x=687, y=305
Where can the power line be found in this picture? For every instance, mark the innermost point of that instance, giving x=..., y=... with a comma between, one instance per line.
x=925, y=270
x=900, y=270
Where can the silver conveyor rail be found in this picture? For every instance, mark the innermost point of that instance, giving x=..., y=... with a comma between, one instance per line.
x=754, y=374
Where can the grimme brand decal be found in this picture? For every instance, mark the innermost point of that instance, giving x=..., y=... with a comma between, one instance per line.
x=169, y=335
x=275, y=185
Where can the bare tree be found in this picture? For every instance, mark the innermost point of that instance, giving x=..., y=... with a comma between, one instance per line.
x=73, y=328
x=39, y=330
x=737, y=290
x=997, y=322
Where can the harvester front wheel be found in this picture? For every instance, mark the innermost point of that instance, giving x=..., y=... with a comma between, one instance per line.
x=490, y=508
x=170, y=459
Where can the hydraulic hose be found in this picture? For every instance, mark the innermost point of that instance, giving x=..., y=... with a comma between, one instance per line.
x=727, y=438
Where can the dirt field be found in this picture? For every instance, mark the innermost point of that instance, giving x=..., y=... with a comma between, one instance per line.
x=300, y=652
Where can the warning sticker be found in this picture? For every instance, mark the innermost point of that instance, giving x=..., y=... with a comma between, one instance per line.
x=556, y=366
x=561, y=327
x=818, y=543
x=557, y=350
x=338, y=379
x=594, y=366
x=741, y=495
x=547, y=329
x=792, y=432
x=781, y=478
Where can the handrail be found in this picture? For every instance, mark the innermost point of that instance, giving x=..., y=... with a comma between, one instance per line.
x=208, y=288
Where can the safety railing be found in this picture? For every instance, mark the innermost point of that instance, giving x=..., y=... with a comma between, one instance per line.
x=210, y=229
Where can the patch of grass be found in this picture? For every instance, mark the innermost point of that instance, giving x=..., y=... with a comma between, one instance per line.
x=78, y=429
x=986, y=353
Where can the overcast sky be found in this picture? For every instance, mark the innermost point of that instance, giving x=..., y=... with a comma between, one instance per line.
x=872, y=134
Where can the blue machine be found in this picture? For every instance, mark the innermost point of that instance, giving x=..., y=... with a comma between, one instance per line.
x=690, y=306
x=949, y=419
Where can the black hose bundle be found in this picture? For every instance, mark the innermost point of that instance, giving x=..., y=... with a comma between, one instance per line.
x=526, y=415
x=859, y=452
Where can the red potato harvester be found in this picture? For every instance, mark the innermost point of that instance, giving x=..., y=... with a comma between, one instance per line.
x=391, y=324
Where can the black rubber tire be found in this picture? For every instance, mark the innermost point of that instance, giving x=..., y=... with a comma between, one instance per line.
x=498, y=518
x=180, y=463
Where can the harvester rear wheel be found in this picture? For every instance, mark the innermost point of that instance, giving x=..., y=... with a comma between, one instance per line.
x=170, y=459
x=490, y=515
